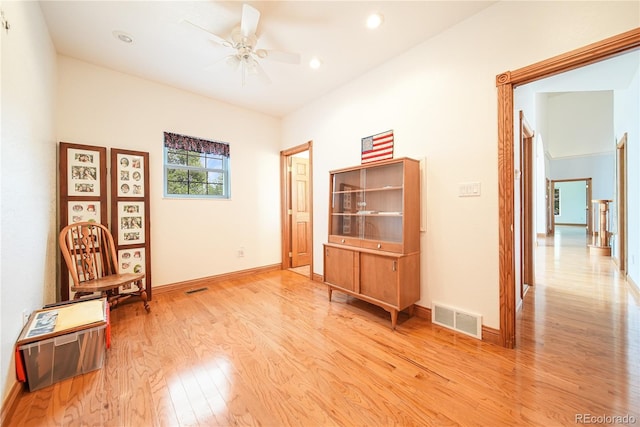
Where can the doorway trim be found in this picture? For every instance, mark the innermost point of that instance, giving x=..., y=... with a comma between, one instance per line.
x=621, y=208
x=588, y=182
x=285, y=198
x=506, y=82
x=527, y=227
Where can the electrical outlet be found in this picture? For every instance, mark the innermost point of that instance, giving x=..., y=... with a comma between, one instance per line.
x=25, y=316
x=241, y=252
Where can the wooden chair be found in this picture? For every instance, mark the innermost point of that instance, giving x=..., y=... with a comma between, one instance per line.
x=89, y=252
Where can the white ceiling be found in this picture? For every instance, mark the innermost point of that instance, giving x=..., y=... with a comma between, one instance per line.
x=167, y=50
x=609, y=75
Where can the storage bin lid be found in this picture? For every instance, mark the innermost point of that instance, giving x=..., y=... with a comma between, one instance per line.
x=55, y=321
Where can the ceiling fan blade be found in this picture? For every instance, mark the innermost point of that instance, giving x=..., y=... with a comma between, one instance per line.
x=276, y=55
x=215, y=64
x=262, y=76
x=213, y=36
x=249, y=22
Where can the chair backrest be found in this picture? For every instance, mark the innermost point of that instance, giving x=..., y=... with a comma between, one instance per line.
x=88, y=250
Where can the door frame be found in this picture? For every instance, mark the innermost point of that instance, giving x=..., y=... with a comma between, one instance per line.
x=621, y=200
x=588, y=197
x=505, y=83
x=285, y=200
x=527, y=216
x=549, y=208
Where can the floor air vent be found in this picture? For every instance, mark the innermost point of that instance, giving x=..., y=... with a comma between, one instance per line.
x=193, y=291
x=470, y=324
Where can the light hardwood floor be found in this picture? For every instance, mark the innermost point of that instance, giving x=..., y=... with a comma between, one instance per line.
x=271, y=350
x=305, y=270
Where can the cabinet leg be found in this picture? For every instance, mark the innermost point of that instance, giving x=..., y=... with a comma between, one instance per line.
x=394, y=319
x=330, y=291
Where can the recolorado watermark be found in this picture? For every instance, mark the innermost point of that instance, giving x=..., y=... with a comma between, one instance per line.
x=605, y=419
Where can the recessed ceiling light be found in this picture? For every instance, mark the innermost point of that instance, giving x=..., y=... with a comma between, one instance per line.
x=315, y=63
x=123, y=37
x=374, y=20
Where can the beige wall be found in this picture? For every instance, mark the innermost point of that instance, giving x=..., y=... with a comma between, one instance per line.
x=28, y=175
x=440, y=98
x=190, y=238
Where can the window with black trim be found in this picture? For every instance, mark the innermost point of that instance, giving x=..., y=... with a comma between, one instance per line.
x=195, y=167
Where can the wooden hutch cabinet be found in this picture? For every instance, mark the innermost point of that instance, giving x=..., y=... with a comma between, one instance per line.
x=373, y=252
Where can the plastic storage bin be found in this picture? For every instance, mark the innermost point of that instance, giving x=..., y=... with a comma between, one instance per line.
x=58, y=358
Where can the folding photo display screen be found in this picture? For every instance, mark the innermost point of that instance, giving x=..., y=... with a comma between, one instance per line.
x=84, y=198
x=83, y=191
x=130, y=213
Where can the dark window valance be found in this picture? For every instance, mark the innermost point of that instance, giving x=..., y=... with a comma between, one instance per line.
x=184, y=142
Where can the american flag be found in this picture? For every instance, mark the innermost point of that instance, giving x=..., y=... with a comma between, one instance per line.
x=377, y=147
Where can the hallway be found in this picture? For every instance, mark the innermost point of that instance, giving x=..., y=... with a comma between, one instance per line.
x=582, y=313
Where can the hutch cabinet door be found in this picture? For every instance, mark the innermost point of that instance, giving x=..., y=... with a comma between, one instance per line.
x=379, y=277
x=341, y=268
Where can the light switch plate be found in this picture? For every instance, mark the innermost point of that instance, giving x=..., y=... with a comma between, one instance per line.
x=469, y=189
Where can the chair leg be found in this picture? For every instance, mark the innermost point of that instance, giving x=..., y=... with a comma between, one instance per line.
x=112, y=298
x=143, y=295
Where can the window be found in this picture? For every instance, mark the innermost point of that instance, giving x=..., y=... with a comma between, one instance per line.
x=195, y=168
x=556, y=201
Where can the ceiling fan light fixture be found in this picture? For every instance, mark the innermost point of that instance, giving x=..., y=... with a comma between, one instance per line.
x=233, y=61
x=315, y=63
x=243, y=40
x=374, y=20
x=252, y=66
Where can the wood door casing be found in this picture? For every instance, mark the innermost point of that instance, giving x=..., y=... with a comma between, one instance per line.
x=621, y=202
x=587, y=192
x=300, y=213
x=549, y=208
x=505, y=83
x=285, y=203
x=527, y=205
x=588, y=207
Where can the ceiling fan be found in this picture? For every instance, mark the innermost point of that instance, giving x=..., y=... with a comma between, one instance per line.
x=243, y=40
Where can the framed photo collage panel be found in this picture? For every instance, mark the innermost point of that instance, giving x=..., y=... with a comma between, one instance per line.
x=84, y=197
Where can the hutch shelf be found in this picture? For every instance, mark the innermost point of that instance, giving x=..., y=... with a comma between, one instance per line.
x=373, y=249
